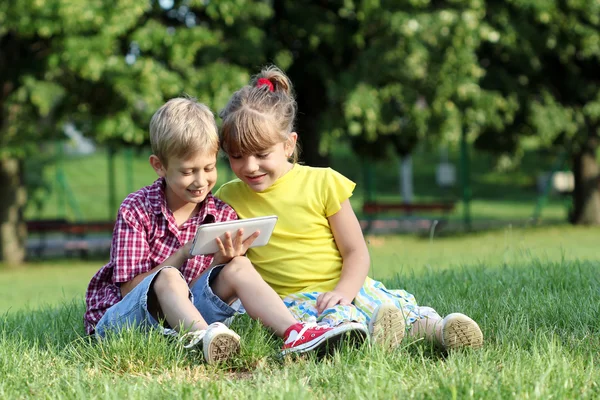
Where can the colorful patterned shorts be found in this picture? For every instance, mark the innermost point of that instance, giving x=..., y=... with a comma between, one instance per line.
x=372, y=294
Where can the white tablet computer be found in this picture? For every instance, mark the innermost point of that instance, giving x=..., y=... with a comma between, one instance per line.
x=205, y=243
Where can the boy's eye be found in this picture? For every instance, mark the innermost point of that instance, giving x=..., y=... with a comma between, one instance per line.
x=186, y=173
x=263, y=155
x=235, y=156
x=209, y=169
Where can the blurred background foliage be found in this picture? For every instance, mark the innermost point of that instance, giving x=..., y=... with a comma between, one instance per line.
x=384, y=76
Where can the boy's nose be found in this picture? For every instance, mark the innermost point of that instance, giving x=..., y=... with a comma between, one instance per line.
x=201, y=180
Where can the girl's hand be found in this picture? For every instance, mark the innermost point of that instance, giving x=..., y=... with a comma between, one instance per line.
x=329, y=299
x=233, y=247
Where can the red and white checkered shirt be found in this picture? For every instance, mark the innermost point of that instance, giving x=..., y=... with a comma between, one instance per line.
x=145, y=234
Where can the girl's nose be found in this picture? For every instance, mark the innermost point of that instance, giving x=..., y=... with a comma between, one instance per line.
x=251, y=165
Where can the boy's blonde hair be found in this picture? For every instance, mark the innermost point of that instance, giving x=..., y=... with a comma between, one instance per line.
x=181, y=127
x=259, y=115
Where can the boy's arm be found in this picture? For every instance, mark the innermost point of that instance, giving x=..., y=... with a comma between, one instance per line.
x=130, y=250
x=355, y=255
x=177, y=259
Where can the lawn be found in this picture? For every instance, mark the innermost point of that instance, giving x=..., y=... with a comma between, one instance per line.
x=534, y=292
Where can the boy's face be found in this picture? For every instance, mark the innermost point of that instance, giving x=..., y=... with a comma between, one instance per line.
x=188, y=179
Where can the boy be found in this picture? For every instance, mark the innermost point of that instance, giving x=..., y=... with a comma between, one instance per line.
x=151, y=281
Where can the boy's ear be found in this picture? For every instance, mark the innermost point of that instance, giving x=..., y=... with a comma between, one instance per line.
x=157, y=165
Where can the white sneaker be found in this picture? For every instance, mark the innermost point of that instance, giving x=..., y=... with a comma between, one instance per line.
x=460, y=331
x=387, y=326
x=218, y=342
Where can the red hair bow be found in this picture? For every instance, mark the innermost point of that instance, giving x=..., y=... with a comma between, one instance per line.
x=265, y=81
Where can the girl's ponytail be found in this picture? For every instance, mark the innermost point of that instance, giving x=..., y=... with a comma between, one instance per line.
x=274, y=79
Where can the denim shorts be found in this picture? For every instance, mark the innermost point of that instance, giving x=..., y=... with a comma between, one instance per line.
x=132, y=310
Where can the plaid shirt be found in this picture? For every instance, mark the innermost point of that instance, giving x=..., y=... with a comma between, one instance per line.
x=145, y=234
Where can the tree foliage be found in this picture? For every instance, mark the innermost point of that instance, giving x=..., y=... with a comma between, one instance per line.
x=510, y=75
x=107, y=66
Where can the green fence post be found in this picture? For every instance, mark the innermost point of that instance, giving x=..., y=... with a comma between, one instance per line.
x=129, y=170
x=112, y=191
x=61, y=198
x=465, y=180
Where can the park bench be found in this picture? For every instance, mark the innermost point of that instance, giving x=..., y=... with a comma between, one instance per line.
x=374, y=209
x=74, y=234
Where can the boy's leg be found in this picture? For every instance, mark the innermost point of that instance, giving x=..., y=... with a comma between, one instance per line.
x=169, y=300
x=164, y=296
x=174, y=305
x=141, y=307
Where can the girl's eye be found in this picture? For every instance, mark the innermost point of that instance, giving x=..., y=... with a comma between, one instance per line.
x=210, y=169
x=264, y=155
x=235, y=156
x=186, y=173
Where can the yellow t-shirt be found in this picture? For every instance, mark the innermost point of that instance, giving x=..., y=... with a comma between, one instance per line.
x=301, y=255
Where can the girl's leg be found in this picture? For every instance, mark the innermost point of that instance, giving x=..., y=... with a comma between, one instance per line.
x=239, y=279
x=454, y=331
x=387, y=311
x=428, y=326
x=169, y=300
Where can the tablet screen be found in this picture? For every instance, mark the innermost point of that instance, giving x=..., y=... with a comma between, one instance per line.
x=205, y=243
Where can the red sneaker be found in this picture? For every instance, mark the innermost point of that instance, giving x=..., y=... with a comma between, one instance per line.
x=308, y=336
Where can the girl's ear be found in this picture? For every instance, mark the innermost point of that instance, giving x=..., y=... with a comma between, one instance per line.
x=290, y=144
x=158, y=166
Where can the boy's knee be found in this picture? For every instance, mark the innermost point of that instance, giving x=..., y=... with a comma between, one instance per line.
x=167, y=279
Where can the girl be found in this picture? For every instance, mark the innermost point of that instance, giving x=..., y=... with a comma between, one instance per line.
x=317, y=259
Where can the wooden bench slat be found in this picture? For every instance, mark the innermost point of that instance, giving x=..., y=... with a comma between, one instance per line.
x=64, y=226
x=375, y=207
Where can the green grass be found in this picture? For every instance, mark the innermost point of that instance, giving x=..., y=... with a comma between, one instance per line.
x=534, y=293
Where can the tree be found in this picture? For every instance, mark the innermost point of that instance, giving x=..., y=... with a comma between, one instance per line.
x=506, y=76
x=105, y=67
x=385, y=73
x=547, y=58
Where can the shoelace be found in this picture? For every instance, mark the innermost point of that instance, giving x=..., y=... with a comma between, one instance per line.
x=192, y=338
x=310, y=324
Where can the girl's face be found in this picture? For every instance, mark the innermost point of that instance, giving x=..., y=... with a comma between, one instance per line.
x=188, y=180
x=261, y=170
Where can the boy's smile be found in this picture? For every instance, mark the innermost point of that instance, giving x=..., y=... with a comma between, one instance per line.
x=189, y=179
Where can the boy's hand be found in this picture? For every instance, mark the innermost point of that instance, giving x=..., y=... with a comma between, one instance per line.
x=187, y=250
x=330, y=299
x=233, y=247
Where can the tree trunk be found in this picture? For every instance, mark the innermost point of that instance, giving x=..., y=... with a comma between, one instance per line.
x=312, y=101
x=13, y=232
x=586, y=195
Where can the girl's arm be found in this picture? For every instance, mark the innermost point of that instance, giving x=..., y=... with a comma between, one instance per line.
x=355, y=255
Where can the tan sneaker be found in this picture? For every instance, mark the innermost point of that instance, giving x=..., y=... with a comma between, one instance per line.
x=460, y=331
x=218, y=342
x=387, y=326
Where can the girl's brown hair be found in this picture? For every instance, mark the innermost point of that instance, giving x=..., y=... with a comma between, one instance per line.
x=259, y=115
